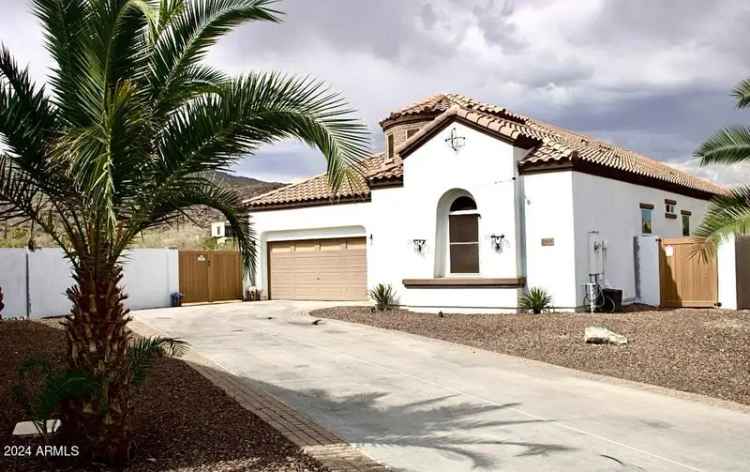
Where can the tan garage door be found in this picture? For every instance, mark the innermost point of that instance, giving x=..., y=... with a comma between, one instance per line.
x=319, y=269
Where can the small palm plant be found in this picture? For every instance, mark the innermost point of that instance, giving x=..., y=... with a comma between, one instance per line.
x=42, y=390
x=384, y=296
x=536, y=300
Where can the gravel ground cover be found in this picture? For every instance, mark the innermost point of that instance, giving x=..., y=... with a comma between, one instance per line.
x=181, y=422
x=699, y=351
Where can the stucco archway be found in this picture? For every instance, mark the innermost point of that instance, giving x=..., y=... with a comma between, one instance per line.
x=442, y=253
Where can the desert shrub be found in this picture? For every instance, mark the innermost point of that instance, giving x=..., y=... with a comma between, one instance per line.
x=535, y=300
x=383, y=296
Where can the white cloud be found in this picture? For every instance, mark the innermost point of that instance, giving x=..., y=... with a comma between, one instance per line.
x=655, y=82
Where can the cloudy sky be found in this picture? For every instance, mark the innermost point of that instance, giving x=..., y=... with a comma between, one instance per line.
x=653, y=76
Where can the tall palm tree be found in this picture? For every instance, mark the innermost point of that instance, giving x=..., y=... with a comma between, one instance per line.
x=122, y=139
x=728, y=214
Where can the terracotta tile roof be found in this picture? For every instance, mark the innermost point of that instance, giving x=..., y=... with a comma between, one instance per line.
x=317, y=189
x=554, y=144
x=437, y=104
x=577, y=147
x=550, y=144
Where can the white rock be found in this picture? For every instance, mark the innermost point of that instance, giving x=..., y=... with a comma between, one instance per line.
x=600, y=335
x=27, y=429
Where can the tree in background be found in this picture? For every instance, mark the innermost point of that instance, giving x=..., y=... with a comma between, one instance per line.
x=120, y=141
x=728, y=214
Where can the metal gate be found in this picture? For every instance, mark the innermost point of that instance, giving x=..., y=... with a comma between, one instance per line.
x=686, y=279
x=210, y=276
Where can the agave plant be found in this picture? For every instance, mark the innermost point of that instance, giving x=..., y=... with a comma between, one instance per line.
x=121, y=140
x=384, y=296
x=536, y=300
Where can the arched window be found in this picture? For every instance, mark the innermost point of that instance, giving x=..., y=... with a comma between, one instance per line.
x=463, y=236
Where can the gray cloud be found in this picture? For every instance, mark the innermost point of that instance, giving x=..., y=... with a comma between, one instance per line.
x=652, y=76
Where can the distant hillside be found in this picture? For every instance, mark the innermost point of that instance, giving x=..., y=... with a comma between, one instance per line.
x=248, y=187
x=184, y=233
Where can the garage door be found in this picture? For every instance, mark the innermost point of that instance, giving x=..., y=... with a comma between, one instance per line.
x=319, y=269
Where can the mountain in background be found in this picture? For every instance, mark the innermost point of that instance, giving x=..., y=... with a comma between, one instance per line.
x=246, y=187
x=191, y=232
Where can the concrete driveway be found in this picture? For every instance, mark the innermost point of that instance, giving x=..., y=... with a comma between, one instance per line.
x=418, y=404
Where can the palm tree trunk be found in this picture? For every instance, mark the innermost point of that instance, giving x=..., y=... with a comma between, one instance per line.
x=97, y=345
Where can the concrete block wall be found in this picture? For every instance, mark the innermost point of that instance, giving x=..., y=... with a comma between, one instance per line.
x=35, y=283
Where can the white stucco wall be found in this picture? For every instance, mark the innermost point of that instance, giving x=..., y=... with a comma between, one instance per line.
x=49, y=278
x=648, y=270
x=150, y=277
x=549, y=215
x=13, y=281
x=727, y=272
x=396, y=216
x=612, y=208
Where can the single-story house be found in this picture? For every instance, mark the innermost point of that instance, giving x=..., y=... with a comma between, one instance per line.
x=469, y=205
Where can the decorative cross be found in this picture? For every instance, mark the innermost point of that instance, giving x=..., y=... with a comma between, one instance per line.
x=454, y=141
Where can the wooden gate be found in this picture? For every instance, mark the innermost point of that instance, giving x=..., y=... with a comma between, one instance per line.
x=210, y=276
x=686, y=279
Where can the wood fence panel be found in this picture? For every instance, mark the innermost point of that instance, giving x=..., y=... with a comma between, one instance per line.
x=226, y=275
x=194, y=269
x=686, y=280
x=208, y=276
x=742, y=267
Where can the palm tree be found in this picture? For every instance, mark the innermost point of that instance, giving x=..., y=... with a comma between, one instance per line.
x=728, y=214
x=122, y=140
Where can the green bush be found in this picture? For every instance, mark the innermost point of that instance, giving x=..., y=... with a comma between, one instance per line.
x=536, y=300
x=383, y=296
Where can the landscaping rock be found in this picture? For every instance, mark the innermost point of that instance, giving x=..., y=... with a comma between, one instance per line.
x=600, y=335
x=698, y=351
x=27, y=429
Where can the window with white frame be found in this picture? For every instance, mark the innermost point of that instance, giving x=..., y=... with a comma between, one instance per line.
x=463, y=236
x=647, y=226
x=685, y=223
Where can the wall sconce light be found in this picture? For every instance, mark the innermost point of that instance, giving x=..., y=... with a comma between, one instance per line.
x=419, y=244
x=497, y=240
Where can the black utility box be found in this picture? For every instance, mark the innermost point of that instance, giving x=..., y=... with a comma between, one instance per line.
x=612, y=299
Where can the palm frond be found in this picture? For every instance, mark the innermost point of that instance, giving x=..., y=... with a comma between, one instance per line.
x=742, y=94
x=728, y=146
x=143, y=352
x=117, y=40
x=26, y=116
x=212, y=132
x=66, y=31
x=727, y=215
x=185, y=37
x=176, y=197
x=41, y=389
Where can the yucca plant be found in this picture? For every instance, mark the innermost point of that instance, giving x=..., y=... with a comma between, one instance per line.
x=383, y=296
x=535, y=300
x=121, y=139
